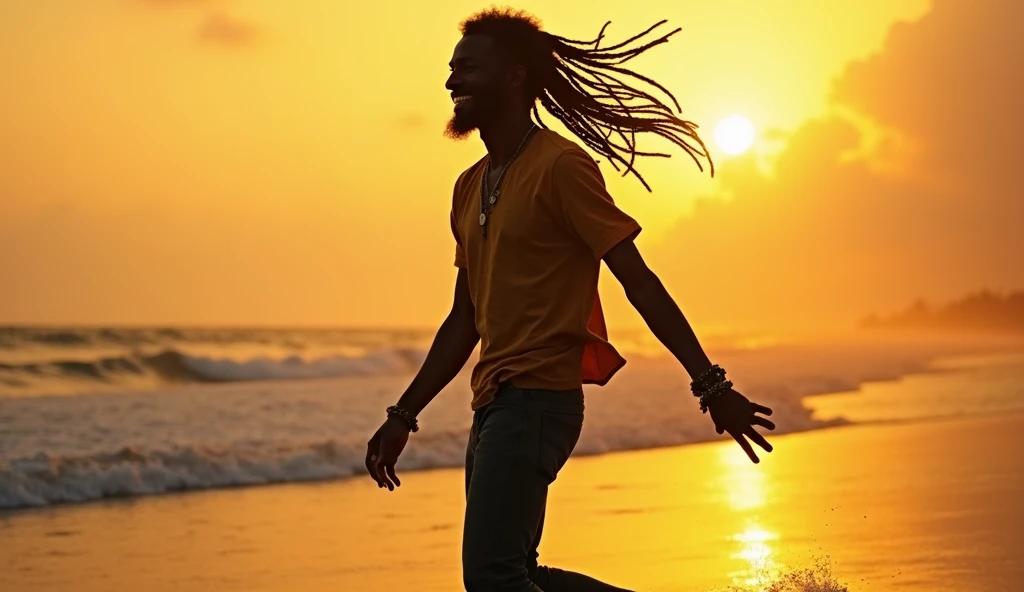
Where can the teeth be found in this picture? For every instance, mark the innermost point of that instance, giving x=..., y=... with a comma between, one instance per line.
x=460, y=99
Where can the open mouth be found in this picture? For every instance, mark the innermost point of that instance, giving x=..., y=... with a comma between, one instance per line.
x=460, y=101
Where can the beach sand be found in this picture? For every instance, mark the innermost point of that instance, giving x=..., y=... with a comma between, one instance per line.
x=931, y=506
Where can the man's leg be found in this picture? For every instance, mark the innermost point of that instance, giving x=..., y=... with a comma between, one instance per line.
x=519, y=443
x=560, y=431
x=552, y=579
x=504, y=497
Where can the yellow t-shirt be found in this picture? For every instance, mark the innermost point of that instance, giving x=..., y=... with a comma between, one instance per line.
x=533, y=278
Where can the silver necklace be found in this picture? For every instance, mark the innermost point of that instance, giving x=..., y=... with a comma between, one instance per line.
x=484, y=200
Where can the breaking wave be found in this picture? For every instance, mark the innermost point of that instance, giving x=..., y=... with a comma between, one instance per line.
x=176, y=367
x=45, y=479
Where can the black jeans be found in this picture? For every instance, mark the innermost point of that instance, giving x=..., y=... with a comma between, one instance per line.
x=517, y=445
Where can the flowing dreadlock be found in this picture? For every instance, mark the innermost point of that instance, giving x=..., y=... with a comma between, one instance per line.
x=581, y=84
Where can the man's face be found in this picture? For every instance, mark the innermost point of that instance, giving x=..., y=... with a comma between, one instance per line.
x=477, y=83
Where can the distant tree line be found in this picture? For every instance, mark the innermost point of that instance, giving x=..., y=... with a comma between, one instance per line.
x=983, y=311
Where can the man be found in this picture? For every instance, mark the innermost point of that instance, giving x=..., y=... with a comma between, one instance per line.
x=532, y=222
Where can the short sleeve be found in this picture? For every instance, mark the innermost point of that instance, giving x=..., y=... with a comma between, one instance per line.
x=460, y=251
x=584, y=205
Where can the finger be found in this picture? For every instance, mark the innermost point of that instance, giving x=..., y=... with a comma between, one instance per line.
x=763, y=422
x=720, y=429
x=391, y=473
x=758, y=439
x=746, y=447
x=383, y=456
x=371, y=467
x=383, y=476
x=761, y=409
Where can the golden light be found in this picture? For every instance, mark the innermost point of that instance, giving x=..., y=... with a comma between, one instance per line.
x=744, y=484
x=734, y=134
x=756, y=550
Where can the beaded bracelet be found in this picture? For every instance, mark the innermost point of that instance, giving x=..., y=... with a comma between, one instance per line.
x=406, y=416
x=708, y=385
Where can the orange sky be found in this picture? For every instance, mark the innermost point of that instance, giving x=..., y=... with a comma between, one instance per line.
x=269, y=163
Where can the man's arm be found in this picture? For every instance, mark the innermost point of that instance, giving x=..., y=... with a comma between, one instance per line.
x=650, y=298
x=452, y=346
x=586, y=210
x=730, y=411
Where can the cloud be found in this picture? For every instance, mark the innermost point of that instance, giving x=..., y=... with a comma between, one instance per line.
x=411, y=121
x=935, y=211
x=951, y=81
x=218, y=28
x=177, y=2
x=221, y=29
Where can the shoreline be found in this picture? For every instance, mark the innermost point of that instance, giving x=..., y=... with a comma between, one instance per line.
x=718, y=440
x=127, y=472
x=919, y=506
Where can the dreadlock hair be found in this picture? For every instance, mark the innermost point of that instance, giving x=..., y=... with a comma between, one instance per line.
x=582, y=85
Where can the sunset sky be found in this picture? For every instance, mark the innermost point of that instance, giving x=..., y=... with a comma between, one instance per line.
x=217, y=162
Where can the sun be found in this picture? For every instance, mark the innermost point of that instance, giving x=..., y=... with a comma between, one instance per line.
x=734, y=134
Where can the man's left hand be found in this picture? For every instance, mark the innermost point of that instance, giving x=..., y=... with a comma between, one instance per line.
x=734, y=413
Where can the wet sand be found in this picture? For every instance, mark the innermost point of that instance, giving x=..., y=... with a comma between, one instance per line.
x=929, y=506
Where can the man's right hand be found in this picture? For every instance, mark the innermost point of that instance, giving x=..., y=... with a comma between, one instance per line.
x=448, y=353
x=383, y=449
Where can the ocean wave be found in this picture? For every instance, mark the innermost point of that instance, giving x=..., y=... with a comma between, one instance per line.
x=294, y=367
x=56, y=339
x=174, y=367
x=45, y=479
x=57, y=450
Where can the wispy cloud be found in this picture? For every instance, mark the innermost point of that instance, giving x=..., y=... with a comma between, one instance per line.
x=221, y=29
x=411, y=121
x=218, y=28
x=177, y=2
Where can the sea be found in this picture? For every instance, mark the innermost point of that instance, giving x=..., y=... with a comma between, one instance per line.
x=88, y=413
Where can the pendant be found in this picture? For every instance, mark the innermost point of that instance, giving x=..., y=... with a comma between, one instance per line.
x=494, y=198
x=483, y=219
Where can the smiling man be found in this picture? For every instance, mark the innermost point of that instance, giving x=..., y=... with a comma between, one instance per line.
x=532, y=222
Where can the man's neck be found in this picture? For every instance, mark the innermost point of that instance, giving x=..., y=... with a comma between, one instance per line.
x=503, y=136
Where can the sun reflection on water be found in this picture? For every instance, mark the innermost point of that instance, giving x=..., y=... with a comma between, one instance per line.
x=743, y=483
x=757, y=552
x=745, y=488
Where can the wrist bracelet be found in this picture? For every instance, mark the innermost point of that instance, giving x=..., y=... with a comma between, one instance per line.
x=708, y=385
x=706, y=398
x=406, y=417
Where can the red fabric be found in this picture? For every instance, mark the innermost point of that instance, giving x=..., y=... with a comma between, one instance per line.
x=600, y=359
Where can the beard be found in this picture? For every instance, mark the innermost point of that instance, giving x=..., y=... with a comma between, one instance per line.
x=458, y=128
x=486, y=105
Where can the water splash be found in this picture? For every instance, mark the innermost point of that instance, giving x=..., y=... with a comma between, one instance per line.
x=817, y=578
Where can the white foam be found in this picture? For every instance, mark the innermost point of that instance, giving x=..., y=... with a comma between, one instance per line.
x=296, y=367
x=200, y=436
x=45, y=479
